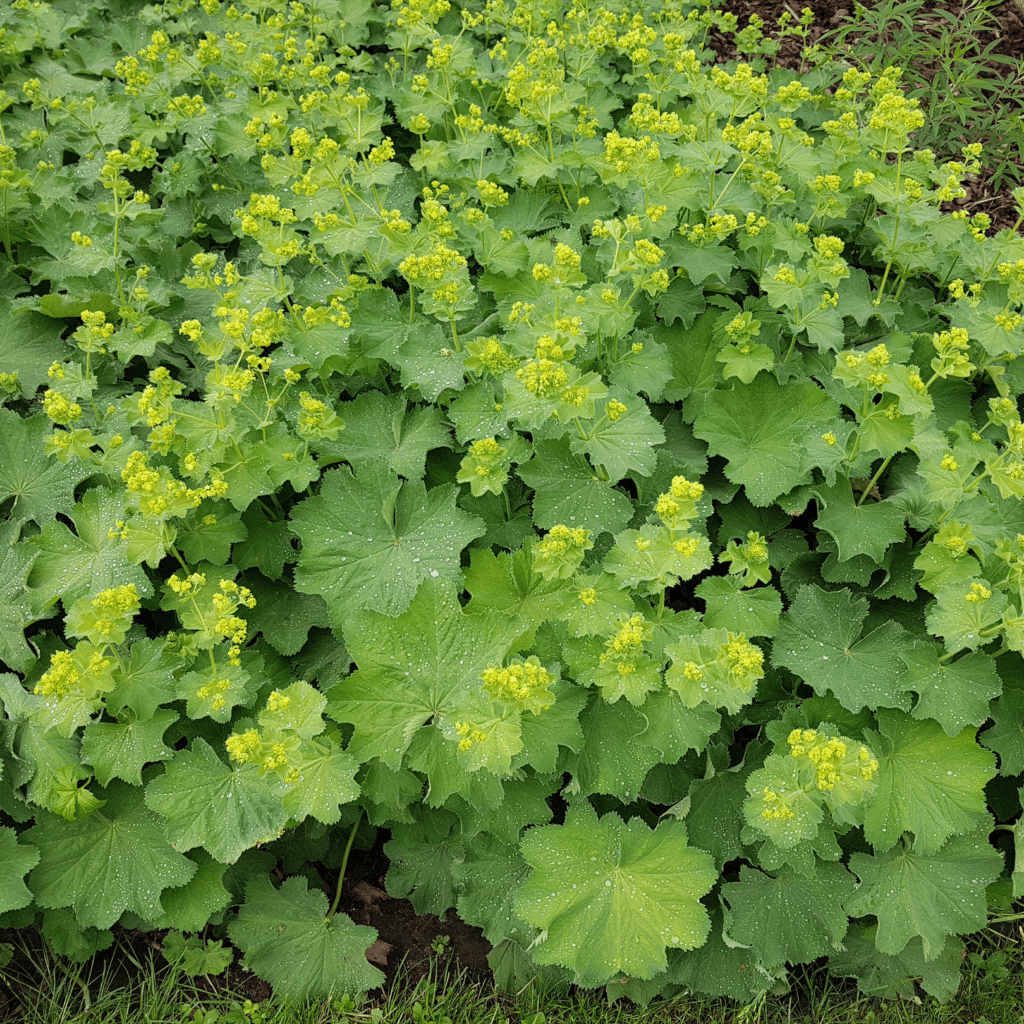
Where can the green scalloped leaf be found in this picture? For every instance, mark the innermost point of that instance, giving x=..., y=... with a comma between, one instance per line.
x=121, y=750
x=955, y=693
x=933, y=896
x=17, y=861
x=866, y=529
x=385, y=429
x=929, y=783
x=762, y=429
x=369, y=540
x=422, y=857
x=819, y=638
x=753, y=612
x=106, y=863
x=206, y=803
x=288, y=940
x=888, y=976
x=789, y=918
x=425, y=663
x=488, y=877
x=1006, y=737
x=568, y=493
x=611, y=896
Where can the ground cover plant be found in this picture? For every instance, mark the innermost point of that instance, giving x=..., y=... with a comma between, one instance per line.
x=493, y=425
x=961, y=58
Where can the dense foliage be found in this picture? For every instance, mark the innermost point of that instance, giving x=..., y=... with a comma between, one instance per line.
x=493, y=424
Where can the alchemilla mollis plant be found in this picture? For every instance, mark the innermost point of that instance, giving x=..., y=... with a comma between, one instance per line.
x=495, y=424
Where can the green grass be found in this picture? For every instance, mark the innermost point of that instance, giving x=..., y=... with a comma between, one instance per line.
x=51, y=992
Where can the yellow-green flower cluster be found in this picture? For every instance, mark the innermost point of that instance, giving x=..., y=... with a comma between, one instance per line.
x=273, y=755
x=747, y=139
x=84, y=671
x=156, y=402
x=489, y=354
x=525, y=683
x=717, y=227
x=60, y=409
x=316, y=419
x=626, y=647
x=110, y=610
x=158, y=494
x=543, y=377
x=742, y=84
x=228, y=624
x=615, y=410
x=559, y=554
x=469, y=734
x=645, y=118
x=678, y=505
x=952, y=359
x=749, y=560
x=631, y=157
x=744, y=660
x=893, y=112
x=828, y=754
x=486, y=465
x=775, y=806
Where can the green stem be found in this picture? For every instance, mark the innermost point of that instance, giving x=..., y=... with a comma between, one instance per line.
x=344, y=863
x=873, y=481
x=181, y=561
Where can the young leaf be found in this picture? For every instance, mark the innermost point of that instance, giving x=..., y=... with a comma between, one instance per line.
x=508, y=583
x=75, y=563
x=753, y=612
x=622, y=440
x=966, y=614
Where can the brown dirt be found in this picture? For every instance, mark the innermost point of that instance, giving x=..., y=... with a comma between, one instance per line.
x=403, y=950
x=406, y=934
x=831, y=14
